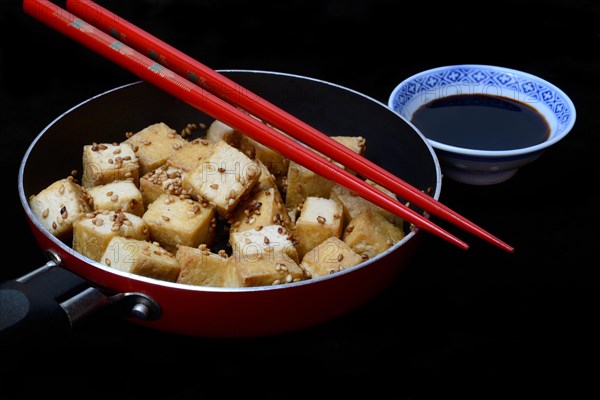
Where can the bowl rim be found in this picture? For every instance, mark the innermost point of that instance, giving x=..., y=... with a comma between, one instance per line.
x=491, y=153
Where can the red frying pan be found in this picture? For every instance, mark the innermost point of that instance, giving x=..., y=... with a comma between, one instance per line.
x=71, y=286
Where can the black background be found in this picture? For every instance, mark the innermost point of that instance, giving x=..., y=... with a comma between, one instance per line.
x=516, y=323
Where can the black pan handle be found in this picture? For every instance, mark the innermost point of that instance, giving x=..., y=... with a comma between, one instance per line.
x=51, y=299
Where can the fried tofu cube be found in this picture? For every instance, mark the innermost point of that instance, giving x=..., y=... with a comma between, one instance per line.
x=59, y=205
x=142, y=258
x=263, y=242
x=175, y=221
x=319, y=219
x=275, y=162
x=354, y=204
x=163, y=180
x=332, y=255
x=201, y=267
x=107, y=162
x=369, y=234
x=118, y=195
x=224, y=179
x=266, y=180
x=191, y=155
x=263, y=270
x=93, y=232
x=302, y=183
x=357, y=144
x=155, y=144
x=262, y=208
x=218, y=131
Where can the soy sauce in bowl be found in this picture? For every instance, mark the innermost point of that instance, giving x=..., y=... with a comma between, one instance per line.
x=482, y=122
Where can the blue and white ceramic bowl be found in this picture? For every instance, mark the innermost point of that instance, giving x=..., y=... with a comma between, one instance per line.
x=484, y=167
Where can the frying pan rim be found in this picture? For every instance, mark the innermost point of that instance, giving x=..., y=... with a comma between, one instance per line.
x=187, y=287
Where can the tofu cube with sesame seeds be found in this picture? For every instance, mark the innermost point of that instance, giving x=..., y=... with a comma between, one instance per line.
x=261, y=208
x=218, y=131
x=154, y=145
x=118, y=195
x=175, y=221
x=266, y=180
x=319, y=219
x=224, y=179
x=163, y=180
x=93, y=232
x=263, y=242
x=275, y=162
x=260, y=269
x=302, y=183
x=354, y=204
x=369, y=233
x=331, y=256
x=59, y=205
x=357, y=144
x=107, y=162
x=191, y=155
x=141, y=258
x=201, y=267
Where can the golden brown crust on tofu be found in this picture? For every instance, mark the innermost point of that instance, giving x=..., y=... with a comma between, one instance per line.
x=357, y=144
x=218, y=131
x=369, y=234
x=154, y=145
x=93, y=232
x=332, y=255
x=141, y=258
x=264, y=241
x=354, y=204
x=262, y=208
x=59, y=205
x=224, y=179
x=175, y=221
x=118, y=195
x=201, y=267
x=275, y=162
x=263, y=269
x=163, y=180
x=302, y=183
x=191, y=155
x=107, y=162
x=319, y=219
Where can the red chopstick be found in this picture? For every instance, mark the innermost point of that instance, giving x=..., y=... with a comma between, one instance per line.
x=228, y=89
x=135, y=62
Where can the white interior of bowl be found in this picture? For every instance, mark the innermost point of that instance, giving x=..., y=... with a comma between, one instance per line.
x=550, y=101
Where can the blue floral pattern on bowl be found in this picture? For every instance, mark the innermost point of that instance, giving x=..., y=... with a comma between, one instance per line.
x=531, y=88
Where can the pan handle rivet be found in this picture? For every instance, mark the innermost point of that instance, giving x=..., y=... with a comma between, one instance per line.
x=141, y=311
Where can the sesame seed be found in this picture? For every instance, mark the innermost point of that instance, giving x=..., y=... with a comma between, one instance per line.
x=45, y=213
x=166, y=218
x=54, y=225
x=214, y=186
x=289, y=278
x=266, y=240
x=61, y=190
x=107, y=261
x=340, y=257
x=321, y=219
x=221, y=169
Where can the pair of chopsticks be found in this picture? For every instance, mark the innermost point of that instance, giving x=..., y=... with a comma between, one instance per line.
x=185, y=78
